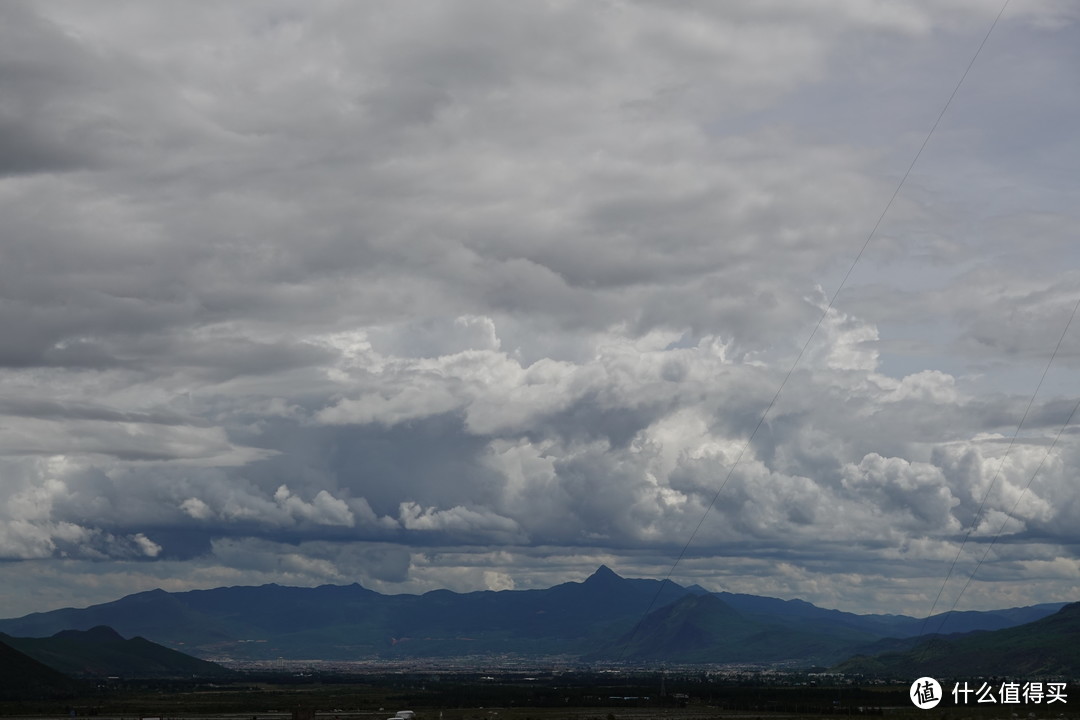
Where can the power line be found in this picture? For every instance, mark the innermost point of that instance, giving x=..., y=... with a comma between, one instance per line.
x=1009, y=515
x=993, y=481
x=817, y=326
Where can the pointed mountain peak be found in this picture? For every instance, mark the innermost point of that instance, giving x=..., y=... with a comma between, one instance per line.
x=603, y=574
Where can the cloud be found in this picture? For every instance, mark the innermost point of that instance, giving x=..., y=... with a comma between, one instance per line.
x=323, y=510
x=895, y=485
x=459, y=521
x=146, y=545
x=480, y=295
x=196, y=508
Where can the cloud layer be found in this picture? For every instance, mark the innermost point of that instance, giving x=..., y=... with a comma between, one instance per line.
x=482, y=295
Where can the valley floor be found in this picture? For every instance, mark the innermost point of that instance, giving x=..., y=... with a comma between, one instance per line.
x=570, y=696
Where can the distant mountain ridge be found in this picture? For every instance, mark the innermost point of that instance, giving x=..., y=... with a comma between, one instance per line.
x=900, y=626
x=1049, y=646
x=591, y=619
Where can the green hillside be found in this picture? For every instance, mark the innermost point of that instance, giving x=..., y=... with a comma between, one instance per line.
x=703, y=628
x=102, y=652
x=24, y=678
x=1046, y=647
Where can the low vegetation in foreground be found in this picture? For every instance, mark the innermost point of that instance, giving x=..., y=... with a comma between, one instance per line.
x=614, y=695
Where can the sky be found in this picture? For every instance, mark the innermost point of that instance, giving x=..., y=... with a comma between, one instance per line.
x=481, y=295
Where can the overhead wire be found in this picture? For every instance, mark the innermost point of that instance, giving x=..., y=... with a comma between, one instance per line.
x=1016, y=504
x=978, y=515
x=813, y=333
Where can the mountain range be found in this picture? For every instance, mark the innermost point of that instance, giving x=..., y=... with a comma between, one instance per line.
x=1046, y=647
x=103, y=652
x=57, y=667
x=601, y=619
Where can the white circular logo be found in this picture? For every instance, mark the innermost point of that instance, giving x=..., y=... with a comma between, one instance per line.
x=925, y=693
